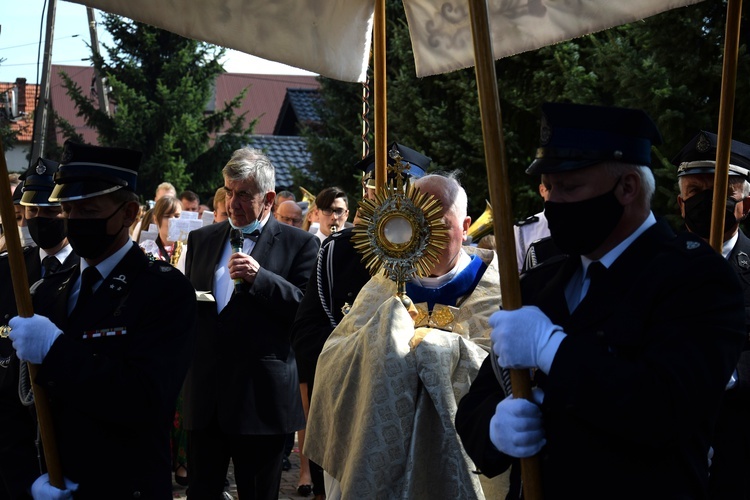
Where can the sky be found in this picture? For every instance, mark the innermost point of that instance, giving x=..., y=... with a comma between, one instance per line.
x=23, y=24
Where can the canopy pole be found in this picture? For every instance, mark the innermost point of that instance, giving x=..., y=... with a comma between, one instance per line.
x=381, y=109
x=500, y=199
x=25, y=309
x=726, y=117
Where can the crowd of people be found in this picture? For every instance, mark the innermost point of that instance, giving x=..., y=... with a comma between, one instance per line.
x=165, y=357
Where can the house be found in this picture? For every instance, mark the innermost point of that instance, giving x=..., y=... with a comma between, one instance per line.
x=280, y=103
x=17, y=105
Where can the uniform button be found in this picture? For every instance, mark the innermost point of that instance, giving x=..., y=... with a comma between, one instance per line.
x=136, y=494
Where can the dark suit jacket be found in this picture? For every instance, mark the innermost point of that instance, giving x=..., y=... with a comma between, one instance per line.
x=634, y=389
x=19, y=466
x=113, y=395
x=342, y=275
x=245, y=372
x=731, y=442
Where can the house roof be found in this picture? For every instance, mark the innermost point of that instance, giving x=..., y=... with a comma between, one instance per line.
x=24, y=124
x=286, y=153
x=300, y=107
x=264, y=98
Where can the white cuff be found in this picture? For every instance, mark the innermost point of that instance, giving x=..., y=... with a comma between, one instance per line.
x=547, y=354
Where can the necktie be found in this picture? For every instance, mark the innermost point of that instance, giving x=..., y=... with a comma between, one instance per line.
x=90, y=276
x=50, y=264
x=595, y=274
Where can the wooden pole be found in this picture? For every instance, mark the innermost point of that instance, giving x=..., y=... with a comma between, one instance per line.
x=101, y=90
x=381, y=108
x=726, y=116
x=25, y=309
x=500, y=199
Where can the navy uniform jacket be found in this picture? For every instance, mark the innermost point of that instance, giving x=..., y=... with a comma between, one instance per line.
x=634, y=390
x=729, y=471
x=114, y=376
x=245, y=371
x=19, y=466
x=339, y=276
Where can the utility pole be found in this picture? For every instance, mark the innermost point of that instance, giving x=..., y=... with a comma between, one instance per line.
x=101, y=91
x=40, y=114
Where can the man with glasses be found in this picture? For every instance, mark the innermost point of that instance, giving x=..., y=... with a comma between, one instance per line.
x=333, y=210
x=288, y=212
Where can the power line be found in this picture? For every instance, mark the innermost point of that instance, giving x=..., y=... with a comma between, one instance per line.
x=36, y=43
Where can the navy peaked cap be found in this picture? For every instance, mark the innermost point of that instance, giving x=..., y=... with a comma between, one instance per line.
x=574, y=136
x=39, y=182
x=699, y=157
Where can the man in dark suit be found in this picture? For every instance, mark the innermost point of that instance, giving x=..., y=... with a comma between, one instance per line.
x=242, y=391
x=112, y=337
x=695, y=175
x=633, y=336
x=19, y=466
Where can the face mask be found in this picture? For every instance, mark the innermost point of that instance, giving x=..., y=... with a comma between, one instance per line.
x=89, y=237
x=47, y=232
x=253, y=226
x=698, y=213
x=25, y=235
x=580, y=227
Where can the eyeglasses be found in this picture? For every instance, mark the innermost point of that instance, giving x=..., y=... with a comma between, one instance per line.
x=329, y=211
x=288, y=220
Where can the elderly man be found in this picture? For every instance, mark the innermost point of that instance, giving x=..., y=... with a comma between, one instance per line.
x=242, y=393
x=695, y=175
x=381, y=421
x=633, y=336
x=288, y=212
x=112, y=335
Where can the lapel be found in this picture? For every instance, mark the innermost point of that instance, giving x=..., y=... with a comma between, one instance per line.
x=265, y=241
x=113, y=291
x=551, y=297
x=208, y=252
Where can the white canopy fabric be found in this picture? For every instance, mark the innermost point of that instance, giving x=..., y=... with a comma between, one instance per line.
x=332, y=37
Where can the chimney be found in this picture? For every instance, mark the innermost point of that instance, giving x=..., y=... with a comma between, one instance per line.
x=21, y=84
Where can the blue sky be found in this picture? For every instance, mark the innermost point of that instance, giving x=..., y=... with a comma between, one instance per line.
x=21, y=23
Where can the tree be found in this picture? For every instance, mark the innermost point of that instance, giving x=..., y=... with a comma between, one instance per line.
x=669, y=65
x=161, y=84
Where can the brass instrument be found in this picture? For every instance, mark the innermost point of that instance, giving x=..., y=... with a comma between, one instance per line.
x=176, y=253
x=307, y=196
x=482, y=226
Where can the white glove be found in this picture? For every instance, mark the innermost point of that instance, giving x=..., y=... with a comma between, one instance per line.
x=525, y=338
x=32, y=337
x=516, y=427
x=42, y=490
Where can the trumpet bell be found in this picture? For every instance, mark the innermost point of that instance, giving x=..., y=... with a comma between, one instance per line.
x=307, y=196
x=482, y=226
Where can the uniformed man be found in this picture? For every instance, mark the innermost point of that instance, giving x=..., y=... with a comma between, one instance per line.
x=340, y=274
x=112, y=335
x=19, y=465
x=695, y=176
x=633, y=335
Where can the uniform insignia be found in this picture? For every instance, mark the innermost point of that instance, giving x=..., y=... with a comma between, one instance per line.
x=40, y=168
x=121, y=278
x=545, y=133
x=743, y=260
x=108, y=332
x=166, y=269
x=692, y=245
x=703, y=144
x=66, y=156
x=528, y=220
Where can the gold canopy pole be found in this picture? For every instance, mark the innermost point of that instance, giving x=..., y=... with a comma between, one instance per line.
x=726, y=115
x=500, y=199
x=381, y=109
x=26, y=310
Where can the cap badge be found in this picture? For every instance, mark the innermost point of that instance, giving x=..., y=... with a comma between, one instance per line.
x=743, y=260
x=702, y=145
x=66, y=156
x=545, y=134
x=41, y=168
x=692, y=245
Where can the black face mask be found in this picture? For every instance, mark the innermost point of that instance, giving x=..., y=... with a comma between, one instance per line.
x=580, y=227
x=47, y=232
x=89, y=237
x=698, y=213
